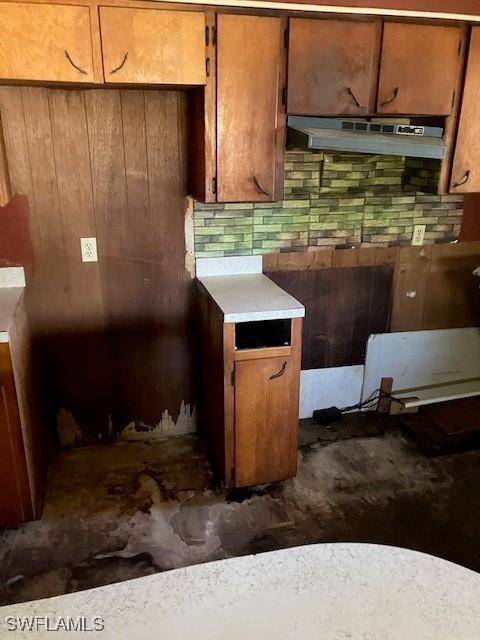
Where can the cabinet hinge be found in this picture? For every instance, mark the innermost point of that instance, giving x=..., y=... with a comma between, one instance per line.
x=214, y=185
x=207, y=35
x=284, y=95
x=285, y=38
x=207, y=67
x=232, y=378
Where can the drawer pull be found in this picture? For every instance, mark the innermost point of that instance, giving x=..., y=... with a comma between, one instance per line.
x=280, y=373
x=75, y=66
x=120, y=65
x=259, y=187
x=353, y=96
x=463, y=180
x=391, y=99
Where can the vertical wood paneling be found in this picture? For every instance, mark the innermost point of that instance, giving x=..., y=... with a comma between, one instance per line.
x=113, y=337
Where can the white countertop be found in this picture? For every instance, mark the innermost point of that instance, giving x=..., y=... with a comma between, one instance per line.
x=9, y=299
x=248, y=297
x=328, y=591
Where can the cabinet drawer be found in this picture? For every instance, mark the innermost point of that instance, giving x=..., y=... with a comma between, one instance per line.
x=153, y=46
x=45, y=42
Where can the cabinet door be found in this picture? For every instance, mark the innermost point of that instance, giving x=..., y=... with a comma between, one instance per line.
x=466, y=162
x=45, y=42
x=418, y=69
x=153, y=46
x=266, y=420
x=248, y=71
x=332, y=67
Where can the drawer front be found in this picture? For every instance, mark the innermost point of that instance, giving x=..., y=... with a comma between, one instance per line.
x=153, y=46
x=266, y=420
x=45, y=42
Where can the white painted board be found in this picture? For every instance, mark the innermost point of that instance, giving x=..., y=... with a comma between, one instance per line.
x=334, y=386
x=432, y=365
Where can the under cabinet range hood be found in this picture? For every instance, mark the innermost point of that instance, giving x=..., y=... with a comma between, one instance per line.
x=380, y=137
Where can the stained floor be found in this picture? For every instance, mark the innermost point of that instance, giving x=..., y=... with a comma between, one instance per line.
x=131, y=509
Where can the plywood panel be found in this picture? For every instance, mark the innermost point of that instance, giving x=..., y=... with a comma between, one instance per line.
x=332, y=66
x=412, y=55
x=45, y=42
x=153, y=46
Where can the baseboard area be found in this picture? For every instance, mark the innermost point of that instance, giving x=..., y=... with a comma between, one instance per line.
x=321, y=388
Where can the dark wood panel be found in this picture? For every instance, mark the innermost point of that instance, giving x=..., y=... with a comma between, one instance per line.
x=413, y=55
x=247, y=106
x=332, y=66
x=466, y=161
x=344, y=305
x=470, y=229
x=113, y=338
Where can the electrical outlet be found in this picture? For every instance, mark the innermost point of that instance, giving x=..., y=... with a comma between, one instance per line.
x=89, y=249
x=418, y=235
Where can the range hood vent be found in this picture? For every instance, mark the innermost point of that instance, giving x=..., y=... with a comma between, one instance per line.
x=361, y=136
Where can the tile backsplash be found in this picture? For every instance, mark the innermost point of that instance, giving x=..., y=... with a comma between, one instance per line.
x=334, y=199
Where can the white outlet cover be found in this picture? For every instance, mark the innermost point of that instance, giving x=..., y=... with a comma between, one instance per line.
x=89, y=249
x=418, y=235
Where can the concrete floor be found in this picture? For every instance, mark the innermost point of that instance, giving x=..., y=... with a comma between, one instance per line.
x=131, y=509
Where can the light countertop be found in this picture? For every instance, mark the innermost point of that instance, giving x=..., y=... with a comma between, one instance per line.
x=328, y=591
x=248, y=297
x=9, y=299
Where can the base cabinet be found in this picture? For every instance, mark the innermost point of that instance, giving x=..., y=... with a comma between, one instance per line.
x=249, y=400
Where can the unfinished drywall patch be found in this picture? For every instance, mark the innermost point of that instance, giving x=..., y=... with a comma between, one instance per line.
x=186, y=423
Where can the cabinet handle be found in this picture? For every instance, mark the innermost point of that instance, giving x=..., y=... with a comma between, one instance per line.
x=352, y=95
x=392, y=98
x=280, y=373
x=120, y=65
x=75, y=66
x=463, y=180
x=259, y=187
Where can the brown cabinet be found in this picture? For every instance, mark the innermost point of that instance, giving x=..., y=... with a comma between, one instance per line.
x=22, y=463
x=332, y=67
x=153, y=46
x=418, y=69
x=465, y=176
x=45, y=42
x=249, y=86
x=249, y=400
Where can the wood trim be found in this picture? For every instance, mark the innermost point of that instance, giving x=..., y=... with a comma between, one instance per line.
x=281, y=128
x=268, y=352
x=229, y=400
x=97, y=55
x=451, y=122
x=5, y=186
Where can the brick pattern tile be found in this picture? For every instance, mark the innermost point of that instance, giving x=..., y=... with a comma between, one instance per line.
x=332, y=200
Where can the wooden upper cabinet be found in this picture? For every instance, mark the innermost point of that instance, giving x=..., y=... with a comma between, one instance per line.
x=153, y=46
x=248, y=87
x=466, y=162
x=418, y=69
x=332, y=67
x=45, y=42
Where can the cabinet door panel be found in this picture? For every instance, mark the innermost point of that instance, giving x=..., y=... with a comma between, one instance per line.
x=418, y=69
x=45, y=42
x=332, y=67
x=266, y=420
x=466, y=163
x=248, y=68
x=153, y=46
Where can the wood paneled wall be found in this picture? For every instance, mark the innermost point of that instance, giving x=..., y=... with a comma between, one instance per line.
x=113, y=338
x=349, y=294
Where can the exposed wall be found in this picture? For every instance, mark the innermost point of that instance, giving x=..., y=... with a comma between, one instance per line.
x=349, y=294
x=334, y=200
x=113, y=338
